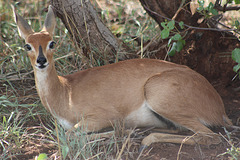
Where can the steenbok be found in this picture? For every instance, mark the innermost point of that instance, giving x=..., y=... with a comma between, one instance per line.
x=140, y=92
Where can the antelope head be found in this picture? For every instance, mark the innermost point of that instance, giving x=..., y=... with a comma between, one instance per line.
x=39, y=45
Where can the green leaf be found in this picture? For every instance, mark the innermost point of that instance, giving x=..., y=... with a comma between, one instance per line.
x=200, y=8
x=165, y=33
x=237, y=24
x=181, y=24
x=171, y=25
x=65, y=151
x=42, y=156
x=211, y=9
x=4, y=121
x=201, y=3
x=214, y=12
x=176, y=37
x=163, y=24
x=237, y=1
x=180, y=45
x=169, y=42
x=236, y=55
x=183, y=41
x=210, y=6
x=173, y=49
x=236, y=68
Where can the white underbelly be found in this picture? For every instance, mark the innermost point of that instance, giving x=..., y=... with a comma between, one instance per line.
x=64, y=123
x=143, y=117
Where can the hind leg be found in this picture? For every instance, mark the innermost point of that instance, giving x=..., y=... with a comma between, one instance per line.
x=183, y=101
x=205, y=136
x=202, y=134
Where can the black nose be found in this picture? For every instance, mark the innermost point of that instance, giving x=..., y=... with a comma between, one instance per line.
x=41, y=60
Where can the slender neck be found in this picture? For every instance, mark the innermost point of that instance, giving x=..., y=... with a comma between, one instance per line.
x=49, y=88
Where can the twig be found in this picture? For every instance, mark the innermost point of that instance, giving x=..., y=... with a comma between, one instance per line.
x=232, y=8
x=188, y=26
x=179, y=9
x=124, y=145
x=95, y=155
x=225, y=8
x=58, y=140
x=15, y=77
x=184, y=140
x=65, y=56
x=217, y=3
x=225, y=26
x=145, y=47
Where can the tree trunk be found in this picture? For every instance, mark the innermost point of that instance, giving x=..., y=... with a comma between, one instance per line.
x=88, y=31
x=171, y=9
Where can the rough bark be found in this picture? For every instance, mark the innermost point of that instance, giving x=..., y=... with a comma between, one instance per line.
x=169, y=9
x=88, y=31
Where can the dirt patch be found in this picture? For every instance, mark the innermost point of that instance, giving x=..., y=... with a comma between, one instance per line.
x=173, y=151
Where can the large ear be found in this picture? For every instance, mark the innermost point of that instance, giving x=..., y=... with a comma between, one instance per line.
x=24, y=29
x=50, y=21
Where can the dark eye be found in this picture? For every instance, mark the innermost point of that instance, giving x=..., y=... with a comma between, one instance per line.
x=52, y=45
x=27, y=47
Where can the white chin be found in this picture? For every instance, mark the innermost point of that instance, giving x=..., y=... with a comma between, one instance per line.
x=38, y=66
